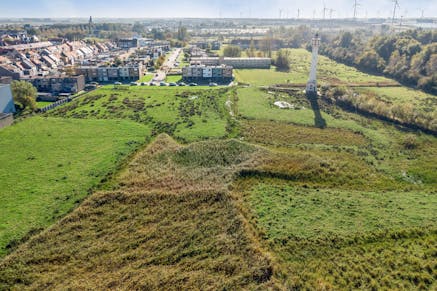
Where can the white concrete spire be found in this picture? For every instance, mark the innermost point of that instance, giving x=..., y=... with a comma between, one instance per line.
x=312, y=82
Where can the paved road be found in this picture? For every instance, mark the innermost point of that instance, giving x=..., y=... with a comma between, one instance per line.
x=171, y=61
x=161, y=74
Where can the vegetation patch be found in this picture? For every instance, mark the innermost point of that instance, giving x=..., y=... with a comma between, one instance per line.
x=135, y=239
x=329, y=72
x=186, y=113
x=392, y=104
x=336, y=239
x=48, y=165
x=283, y=134
x=314, y=213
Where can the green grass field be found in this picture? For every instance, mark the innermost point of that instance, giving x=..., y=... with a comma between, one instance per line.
x=42, y=104
x=319, y=213
x=146, y=78
x=49, y=164
x=255, y=103
x=173, y=79
x=349, y=239
x=187, y=113
x=328, y=71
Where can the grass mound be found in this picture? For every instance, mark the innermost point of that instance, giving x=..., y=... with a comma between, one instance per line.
x=210, y=165
x=219, y=153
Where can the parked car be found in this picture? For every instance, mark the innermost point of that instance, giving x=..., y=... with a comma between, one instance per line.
x=213, y=84
x=172, y=84
x=152, y=84
x=133, y=84
x=163, y=84
x=118, y=83
x=182, y=84
x=192, y=84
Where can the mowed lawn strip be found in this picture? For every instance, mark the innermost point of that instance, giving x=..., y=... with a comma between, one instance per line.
x=48, y=164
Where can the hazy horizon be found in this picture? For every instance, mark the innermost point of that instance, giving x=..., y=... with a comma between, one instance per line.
x=213, y=9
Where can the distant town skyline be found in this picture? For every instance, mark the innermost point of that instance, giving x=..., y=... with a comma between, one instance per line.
x=214, y=9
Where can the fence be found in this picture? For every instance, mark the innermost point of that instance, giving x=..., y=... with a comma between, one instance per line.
x=55, y=104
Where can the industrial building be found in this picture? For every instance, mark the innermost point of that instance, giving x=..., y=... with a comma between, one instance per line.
x=59, y=84
x=206, y=74
x=236, y=63
x=110, y=74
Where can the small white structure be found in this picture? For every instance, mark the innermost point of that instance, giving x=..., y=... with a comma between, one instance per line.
x=283, y=105
x=311, y=88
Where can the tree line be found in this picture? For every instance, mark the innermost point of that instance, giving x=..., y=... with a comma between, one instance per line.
x=369, y=103
x=409, y=57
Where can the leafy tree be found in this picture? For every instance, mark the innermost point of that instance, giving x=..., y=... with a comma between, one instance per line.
x=282, y=60
x=232, y=51
x=118, y=62
x=346, y=39
x=371, y=60
x=24, y=94
x=410, y=57
x=182, y=34
x=251, y=51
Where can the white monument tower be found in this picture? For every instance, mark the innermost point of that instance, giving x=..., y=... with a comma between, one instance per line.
x=312, y=82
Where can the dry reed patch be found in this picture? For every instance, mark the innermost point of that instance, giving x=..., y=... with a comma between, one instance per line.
x=142, y=241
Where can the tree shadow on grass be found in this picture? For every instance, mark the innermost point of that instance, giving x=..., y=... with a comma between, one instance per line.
x=319, y=121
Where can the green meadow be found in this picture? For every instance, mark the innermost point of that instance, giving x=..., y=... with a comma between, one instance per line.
x=48, y=165
x=329, y=72
x=188, y=113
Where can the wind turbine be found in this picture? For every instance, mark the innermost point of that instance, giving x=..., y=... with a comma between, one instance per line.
x=330, y=12
x=396, y=5
x=356, y=5
x=324, y=10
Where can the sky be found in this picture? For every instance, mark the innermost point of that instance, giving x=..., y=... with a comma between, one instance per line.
x=211, y=8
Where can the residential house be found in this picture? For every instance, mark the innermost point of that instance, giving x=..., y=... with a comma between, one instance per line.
x=6, y=100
